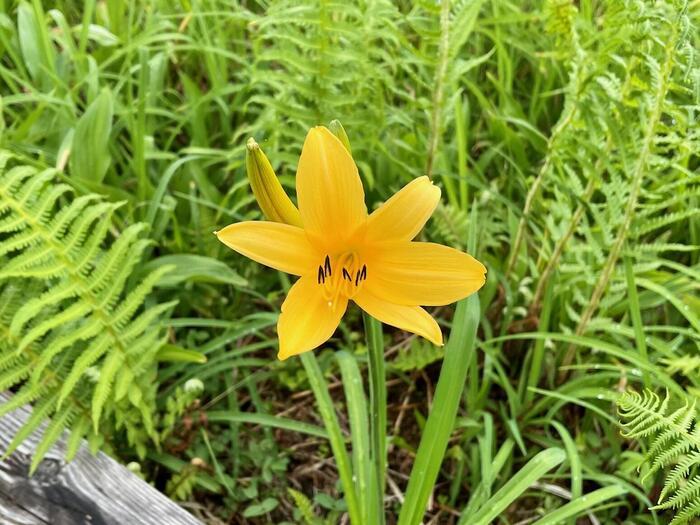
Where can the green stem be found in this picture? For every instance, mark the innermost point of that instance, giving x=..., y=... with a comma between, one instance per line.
x=435, y=120
x=377, y=400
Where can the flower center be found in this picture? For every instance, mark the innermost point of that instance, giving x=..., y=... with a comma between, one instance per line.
x=341, y=275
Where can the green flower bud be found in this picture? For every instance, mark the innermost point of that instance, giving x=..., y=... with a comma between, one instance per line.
x=272, y=199
x=339, y=131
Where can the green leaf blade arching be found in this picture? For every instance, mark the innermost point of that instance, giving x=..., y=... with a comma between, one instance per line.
x=582, y=504
x=519, y=483
x=195, y=268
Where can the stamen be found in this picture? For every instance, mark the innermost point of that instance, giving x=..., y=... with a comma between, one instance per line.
x=347, y=279
x=361, y=275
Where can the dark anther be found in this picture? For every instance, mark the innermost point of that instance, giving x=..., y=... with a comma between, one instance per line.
x=327, y=267
x=361, y=275
x=321, y=275
x=346, y=275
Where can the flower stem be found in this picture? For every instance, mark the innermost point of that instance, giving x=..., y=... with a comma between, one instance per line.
x=377, y=400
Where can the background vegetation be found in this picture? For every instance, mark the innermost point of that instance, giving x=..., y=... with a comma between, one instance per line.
x=563, y=134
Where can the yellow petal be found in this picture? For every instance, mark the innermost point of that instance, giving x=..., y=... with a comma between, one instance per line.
x=410, y=318
x=307, y=319
x=280, y=246
x=405, y=213
x=422, y=273
x=329, y=190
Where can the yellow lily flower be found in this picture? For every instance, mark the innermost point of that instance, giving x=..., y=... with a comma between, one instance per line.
x=341, y=253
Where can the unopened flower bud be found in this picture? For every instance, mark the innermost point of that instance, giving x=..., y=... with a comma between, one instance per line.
x=339, y=131
x=272, y=199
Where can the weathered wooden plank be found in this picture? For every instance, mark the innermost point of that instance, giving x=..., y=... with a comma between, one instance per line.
x=93, y=490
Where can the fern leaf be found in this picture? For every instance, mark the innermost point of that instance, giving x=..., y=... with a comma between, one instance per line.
x=107, y=373
x=676, y=445
x=304, y=506
x=69, y=318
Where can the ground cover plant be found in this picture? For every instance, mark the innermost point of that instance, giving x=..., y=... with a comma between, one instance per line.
x=564, y=138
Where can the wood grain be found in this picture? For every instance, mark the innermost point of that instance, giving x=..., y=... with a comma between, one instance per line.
x=90, y=490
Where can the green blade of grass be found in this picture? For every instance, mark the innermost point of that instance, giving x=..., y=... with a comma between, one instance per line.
x=359, y=426
x=535, y=371
x=461, y=120
x=574, y=460
x=330, y=420
x=267, y=420
x=453, y=375
x=581, y=504
x=519, y=483
x=636, y=315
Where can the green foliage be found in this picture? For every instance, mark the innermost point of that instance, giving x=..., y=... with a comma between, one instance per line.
x=562, y=133
x=416, y=356
x=305, y=507
x=625, y=119
x=182, y=484
x=675, y=444
x=76, y=338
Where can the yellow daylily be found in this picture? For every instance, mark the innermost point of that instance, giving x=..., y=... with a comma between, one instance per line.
x=341, y=253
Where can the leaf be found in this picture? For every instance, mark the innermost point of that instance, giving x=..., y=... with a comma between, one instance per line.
x=579, y=505
x=267, y=505
x=359, y=423
x=304, y=506
x=267, y=420
x=90, y=158
x=176, y=354
x=330, y=420
x=448, y=393
x=33, y=42
x=99, y=34
x=519, y=483
x=196, y=268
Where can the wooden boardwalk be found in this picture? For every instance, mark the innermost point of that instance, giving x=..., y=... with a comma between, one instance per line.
x=90, y=490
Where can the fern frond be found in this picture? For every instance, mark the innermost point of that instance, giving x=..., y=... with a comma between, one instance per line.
x=304, y=506
x=675, y=444
x=70, y=323
x=417, y=356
